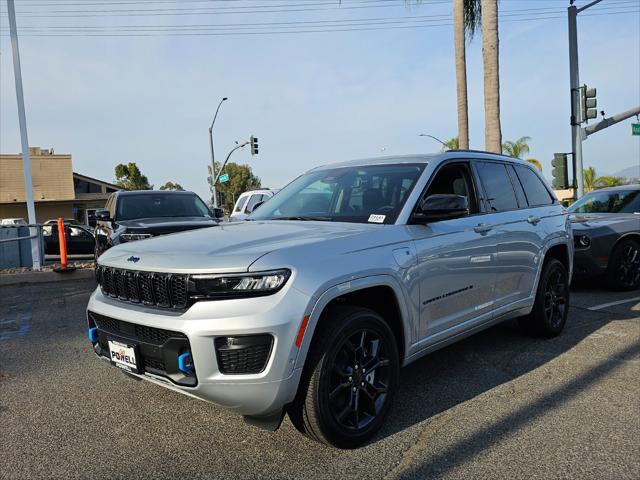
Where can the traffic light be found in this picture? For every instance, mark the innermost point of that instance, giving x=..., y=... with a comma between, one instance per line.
x=560, y=173
x=254, y=145
x=588, y=103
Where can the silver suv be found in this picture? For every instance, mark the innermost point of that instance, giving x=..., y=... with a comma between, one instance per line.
x=353, y=270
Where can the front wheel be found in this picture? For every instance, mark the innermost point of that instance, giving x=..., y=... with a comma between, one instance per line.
x=350, y=378
x=624, y=266
x=551, y=307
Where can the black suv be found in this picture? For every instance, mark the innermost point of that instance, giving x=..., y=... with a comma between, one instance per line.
x=140, y=214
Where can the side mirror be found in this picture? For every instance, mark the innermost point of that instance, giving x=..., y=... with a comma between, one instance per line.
x=441, y=207
x=217, y=212
x=103, y=215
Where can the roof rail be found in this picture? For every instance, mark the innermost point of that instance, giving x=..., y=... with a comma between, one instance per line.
x=482, y=151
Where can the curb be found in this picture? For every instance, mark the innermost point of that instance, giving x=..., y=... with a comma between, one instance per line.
x=45, y=277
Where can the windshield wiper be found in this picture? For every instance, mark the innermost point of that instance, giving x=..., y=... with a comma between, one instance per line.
x=305, y=218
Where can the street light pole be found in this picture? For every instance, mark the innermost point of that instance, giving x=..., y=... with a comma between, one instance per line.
x=213, y=164
x=22, y=121
x=435, y=138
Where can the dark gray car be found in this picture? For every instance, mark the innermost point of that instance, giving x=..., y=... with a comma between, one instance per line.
x=606, y=232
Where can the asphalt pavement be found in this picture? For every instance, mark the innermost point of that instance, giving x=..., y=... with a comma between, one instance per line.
x=496, y=405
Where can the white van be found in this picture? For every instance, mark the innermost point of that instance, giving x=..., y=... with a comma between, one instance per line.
x=247, y=202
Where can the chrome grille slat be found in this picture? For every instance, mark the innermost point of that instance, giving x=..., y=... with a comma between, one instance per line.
x=164, y=290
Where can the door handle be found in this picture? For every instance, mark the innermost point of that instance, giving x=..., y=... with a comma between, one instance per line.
x=482, y=228
x=533, y=220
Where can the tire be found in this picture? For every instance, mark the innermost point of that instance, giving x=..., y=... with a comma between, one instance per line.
x=623, y=272
x=551, y=308
x=338, y=404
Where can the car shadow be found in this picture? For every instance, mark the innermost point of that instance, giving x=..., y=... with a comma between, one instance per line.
x=473, y=366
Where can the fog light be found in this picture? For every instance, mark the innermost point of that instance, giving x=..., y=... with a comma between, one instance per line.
x=583, y=241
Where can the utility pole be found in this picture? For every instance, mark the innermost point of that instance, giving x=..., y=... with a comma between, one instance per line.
x=576, y=115
x=213, y=162
x=22, y=120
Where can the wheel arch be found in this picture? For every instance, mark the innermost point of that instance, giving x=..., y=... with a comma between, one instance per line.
x=380, y=293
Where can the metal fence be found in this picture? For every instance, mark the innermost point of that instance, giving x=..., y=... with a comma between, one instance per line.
x=15, y=245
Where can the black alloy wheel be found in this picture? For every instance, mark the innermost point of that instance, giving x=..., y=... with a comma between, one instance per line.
x=349, y=380
x=551, y=307
x=625, y=266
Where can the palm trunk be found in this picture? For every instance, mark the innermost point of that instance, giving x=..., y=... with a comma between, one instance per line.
x=493, y=133
x=461, y=73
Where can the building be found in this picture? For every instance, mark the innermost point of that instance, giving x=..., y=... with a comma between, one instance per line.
x=58, y=191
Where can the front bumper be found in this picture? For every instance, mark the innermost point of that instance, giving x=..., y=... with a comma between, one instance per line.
x=279, y=315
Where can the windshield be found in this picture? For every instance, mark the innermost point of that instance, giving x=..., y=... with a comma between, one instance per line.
x=372, y=193
x=154, y=205
x=618, y=201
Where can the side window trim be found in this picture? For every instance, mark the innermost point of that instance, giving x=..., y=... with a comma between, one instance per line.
x=515, y=182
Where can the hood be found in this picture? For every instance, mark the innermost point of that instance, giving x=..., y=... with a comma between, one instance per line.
x=595, y=220
x=161, y=226
x=229, y=247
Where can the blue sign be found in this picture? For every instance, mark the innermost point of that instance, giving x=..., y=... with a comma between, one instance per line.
x=224, y=178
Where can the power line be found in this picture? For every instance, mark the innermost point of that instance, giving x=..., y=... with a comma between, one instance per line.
x=279, y=32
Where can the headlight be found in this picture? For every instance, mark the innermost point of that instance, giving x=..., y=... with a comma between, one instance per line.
x=130, y=237
x=582, y=241
x=237, y=284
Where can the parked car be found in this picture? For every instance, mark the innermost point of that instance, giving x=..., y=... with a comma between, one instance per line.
x=350, y=272
x=606, y=230
x=13, y=221
x=248, y=201
x=141, y=214
x=80, y=240
x=66, y=221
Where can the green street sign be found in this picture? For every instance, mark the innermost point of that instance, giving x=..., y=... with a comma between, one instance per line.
x=224, y=178
x=635, y=129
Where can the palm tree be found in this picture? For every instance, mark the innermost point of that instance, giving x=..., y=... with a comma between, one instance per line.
x=590, y=177
x=451, y=144
x=466, y=19
x=535, y=163
x=517, y=149
x=490, y=54
x=609, y=181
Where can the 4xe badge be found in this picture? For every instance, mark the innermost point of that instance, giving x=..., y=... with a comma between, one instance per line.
x=133, y=259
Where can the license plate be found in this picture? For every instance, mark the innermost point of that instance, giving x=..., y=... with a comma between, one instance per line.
x=123, y=356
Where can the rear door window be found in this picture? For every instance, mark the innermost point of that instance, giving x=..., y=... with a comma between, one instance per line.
x=240, y=204
x=535, y=190
x=497, y=186
x=255, y=199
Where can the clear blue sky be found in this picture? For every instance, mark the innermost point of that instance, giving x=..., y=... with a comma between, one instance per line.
x=311, y=98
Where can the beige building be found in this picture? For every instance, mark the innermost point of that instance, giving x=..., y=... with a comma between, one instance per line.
x=57, y=190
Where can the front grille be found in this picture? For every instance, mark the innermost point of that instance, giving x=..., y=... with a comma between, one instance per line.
x=166, y=290
x=143, y=333
x=157, y=349
x=243, y=355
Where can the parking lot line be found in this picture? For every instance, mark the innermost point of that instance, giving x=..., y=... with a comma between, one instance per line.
x=611, y=304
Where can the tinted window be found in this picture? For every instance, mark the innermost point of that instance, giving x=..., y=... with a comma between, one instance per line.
x=619, y=201
x=497, y=186
x=537, y=193
x=240, y=204
x=253, y=201
x=160, y=205
x=522, y=199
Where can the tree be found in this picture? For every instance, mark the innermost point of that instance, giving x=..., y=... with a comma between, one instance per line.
x=516, y=149
x=535, y=163
x=590, y=177
x=609, y=181
x=241, y=179
x=451, y=144
x=490, y=60
x=129, y=177
x=171, y=186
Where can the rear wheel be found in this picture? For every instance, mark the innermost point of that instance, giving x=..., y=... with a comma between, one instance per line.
x=624, y=266
x=349, y=380
x=551, y=306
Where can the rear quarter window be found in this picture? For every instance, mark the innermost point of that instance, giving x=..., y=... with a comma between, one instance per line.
x=534, y=188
